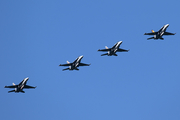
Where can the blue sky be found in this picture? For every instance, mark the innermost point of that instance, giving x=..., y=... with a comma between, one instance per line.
x=37, y=36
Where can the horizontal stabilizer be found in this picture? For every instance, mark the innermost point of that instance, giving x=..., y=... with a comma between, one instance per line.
x=115, y=54
x=104, y=54
x=150, y=38
x=65, y=69
x=76, y=69
x=22, y=91
x=11, y=91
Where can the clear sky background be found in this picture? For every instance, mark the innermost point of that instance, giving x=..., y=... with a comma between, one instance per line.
x=142, y=84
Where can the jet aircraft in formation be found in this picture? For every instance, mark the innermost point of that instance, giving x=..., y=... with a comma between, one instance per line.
x=113, y=50
x=20, y=86
x=75, y=64
x=160, y=33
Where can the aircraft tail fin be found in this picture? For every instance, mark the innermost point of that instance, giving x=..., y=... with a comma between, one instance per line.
x=106, y=47
x=153, y=31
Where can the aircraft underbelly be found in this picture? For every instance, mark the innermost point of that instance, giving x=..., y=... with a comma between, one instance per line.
x=71, y=67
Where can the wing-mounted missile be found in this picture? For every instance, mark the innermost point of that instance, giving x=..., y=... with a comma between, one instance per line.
x=106, y=47
x=13, y=84
x=68, y=62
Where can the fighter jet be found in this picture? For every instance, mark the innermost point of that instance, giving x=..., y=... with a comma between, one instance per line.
x=113, y=50
x=160, y=33
x=75, y=64
x=20, y=87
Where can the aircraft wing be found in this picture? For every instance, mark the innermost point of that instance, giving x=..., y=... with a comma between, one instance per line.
x=104, y=49
x=167, y=33
x=27, y=87
x=154, y=33
x=83, y=64
x=12, y=86
x=65, y=64
x=122, y=50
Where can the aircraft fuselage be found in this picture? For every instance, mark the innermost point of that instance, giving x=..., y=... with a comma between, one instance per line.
x=75, y=64
x=160, y=33
x=114, y=49
x=20, y=87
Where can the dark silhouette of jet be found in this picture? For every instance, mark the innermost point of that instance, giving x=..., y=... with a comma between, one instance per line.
x=160, y=33
x=113, y=50
x=20, y=87
x=75, y=64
